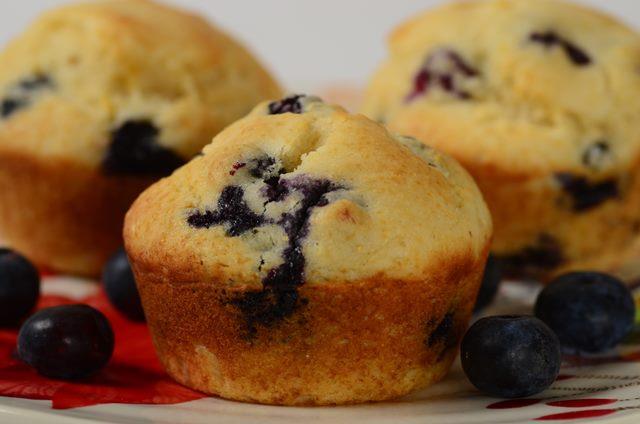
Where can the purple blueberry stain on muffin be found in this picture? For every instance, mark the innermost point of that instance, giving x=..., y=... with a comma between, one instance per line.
x=264, y=166
x=232, y=212
x=11, y=105
x=584, y=194
x=134, y=150
x=545, y=254
x=444, y=69
x=36, y=82
x=551, y=39
x=279, y=298
x=444, y=333
x=22, y=94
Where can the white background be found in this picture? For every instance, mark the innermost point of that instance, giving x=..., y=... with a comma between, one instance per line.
x=304, y=42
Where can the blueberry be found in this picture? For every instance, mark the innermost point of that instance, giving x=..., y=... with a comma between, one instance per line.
x=589, y=311
x=291, y=104
x=443, y=68
x=262, y=167
x=232, y=211
x=10, y=105
x=490, y=283
x=23, y=92
x=584, y=194
x=549, y=39
x=66, y=342
x=510, y=356
x=19, y=287
x=278, y=298
x=134, y=150
x=121, y=288
x=36, y=82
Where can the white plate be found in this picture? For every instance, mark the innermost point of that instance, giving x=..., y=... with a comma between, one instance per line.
x=452, y=401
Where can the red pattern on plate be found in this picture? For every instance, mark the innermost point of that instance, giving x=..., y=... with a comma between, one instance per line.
x=574, y=415
x=581, y=403
x=513, y=403
x=134, y=374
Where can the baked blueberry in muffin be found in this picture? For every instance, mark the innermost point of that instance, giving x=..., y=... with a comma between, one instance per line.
x=97, y=101
x=541, y=109
x=309, y=257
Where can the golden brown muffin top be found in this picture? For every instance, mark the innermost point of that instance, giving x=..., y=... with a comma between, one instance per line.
x=524, y=86
x=303, y=192
x=81, y=73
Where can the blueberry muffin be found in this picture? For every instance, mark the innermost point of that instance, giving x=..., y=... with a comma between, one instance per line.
x=309, y=257
x=99, y=100
x=540, y=101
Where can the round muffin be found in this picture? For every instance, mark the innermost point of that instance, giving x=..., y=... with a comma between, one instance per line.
x=99, y=100
x=540, y=101
x=309, y=257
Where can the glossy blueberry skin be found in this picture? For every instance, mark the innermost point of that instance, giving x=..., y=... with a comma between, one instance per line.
x=589, y=311
x=490, y=282
x=510, y=356
x=66, y=342
x=121, y=288
x=19, y=287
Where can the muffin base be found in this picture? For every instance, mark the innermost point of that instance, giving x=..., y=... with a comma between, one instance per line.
x=63, y=216
x=348, y=342
x=540, y=236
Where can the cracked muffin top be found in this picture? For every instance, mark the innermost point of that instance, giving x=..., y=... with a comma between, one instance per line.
x=133, y=87
x=301, y=192
x=524, y=87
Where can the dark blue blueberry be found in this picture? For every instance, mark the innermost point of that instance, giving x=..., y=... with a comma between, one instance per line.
x=584, y=194
x=10, y=105
x=120, y=286
x=538, y=258
x=66, y=342
x=510, y=356
x=291, y=104
x=490, y=282
x=550, y=39
x=440, y=70
x=134, y=150
x=21, y=94
x=232, y=212
x=19, y=287
x=589, y=311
